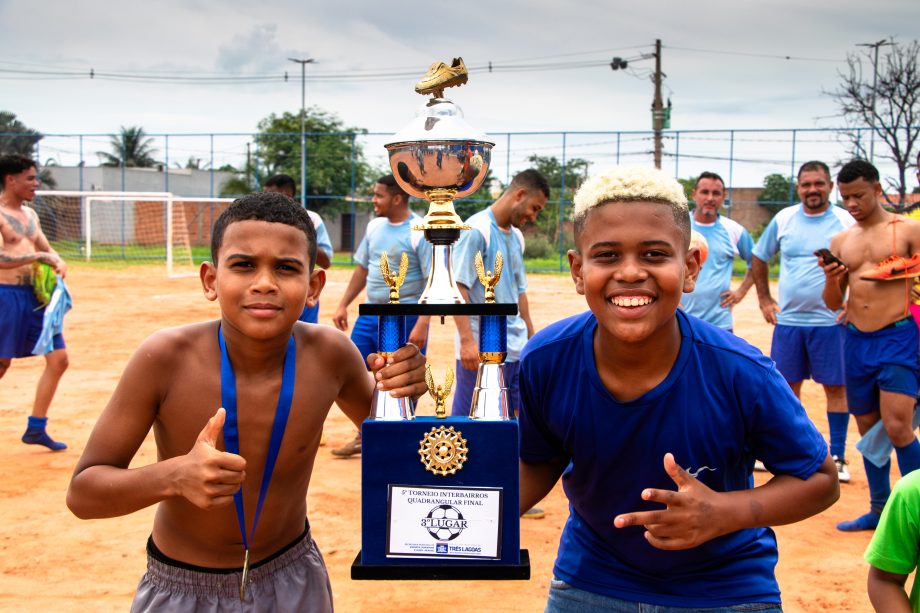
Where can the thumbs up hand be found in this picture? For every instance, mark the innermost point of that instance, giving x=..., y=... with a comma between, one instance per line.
x=693, y=515
x=208, y=477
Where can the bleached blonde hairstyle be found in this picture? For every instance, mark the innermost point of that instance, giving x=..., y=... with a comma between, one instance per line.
x=631, y=184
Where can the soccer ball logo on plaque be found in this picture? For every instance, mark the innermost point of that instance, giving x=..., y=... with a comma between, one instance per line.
x=440, y=495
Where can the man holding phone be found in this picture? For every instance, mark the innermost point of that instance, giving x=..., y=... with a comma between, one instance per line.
x=807, y=338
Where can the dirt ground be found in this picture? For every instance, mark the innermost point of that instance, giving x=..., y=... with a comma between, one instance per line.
x=51, y=561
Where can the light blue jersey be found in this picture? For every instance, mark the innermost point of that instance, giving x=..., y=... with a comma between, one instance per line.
x=394, y=239
x=488, y=238
x=796, y=236
x=323, y=243
x=727, y=240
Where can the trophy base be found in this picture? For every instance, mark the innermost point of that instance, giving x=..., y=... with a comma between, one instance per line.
x=466, y=572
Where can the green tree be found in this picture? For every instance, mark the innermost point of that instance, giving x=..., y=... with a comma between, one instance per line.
x=16, y=137
x=131, y=147
x=889, y=103
x=576, y=171
x=688, y=184
x=331, y=150
x=778, y=192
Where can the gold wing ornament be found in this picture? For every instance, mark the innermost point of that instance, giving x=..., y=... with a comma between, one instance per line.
x=429, y=381
x=499, y=265
x=403, y=269
x=480, y=268
x=489, y=279
x=448, y=382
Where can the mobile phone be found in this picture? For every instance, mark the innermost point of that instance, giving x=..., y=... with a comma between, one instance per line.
x=828, y=258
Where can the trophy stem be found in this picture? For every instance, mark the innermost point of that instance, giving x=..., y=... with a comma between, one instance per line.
x=490, y=396
x=441, y=287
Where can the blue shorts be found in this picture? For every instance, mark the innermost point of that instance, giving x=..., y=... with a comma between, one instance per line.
x=809, y=352
x=466, y=381
x=364, y=334
x=21, y=322
x=310, y=315
x=885, y=360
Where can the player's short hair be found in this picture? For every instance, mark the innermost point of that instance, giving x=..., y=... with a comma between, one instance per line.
x=857, y=169
x=530, y=180
x=265, y=206
x=389, y=181
x=281, y=182
x=13, y=164
x=814, y=166
x=632, y=184
x=709, y=175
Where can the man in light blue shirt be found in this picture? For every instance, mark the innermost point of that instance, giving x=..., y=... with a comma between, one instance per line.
x=391, y=232
x=807, y=339
x=286, y=185
x=712, y=298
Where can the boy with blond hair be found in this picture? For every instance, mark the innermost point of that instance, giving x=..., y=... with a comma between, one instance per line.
x=656, y=441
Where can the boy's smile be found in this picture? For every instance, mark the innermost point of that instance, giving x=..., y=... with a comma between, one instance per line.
x=633, y=267
x=262, y=277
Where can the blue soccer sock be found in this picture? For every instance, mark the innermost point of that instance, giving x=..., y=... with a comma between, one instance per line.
x=908, y=457
x=838, y=424
x=879, y=490
x=35, y=435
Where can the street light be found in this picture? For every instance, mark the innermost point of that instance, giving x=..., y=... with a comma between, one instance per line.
x=303, y=135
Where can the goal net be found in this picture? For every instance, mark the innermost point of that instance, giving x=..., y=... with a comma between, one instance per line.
x=131, y=227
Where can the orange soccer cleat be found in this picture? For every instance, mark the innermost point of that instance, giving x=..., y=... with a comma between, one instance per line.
x=894, y=267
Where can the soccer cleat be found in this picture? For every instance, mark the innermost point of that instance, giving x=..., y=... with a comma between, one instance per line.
x=894, y=267
x=869, y=521
x=441, y=76
x=352, y=447
x=534, y=513
x=843, y=473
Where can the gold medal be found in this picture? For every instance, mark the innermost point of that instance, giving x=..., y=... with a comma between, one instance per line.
x=245, y=579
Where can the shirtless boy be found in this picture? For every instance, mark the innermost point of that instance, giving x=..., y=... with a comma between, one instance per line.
x=22, y=243
x=263, y=250
x=881, y=348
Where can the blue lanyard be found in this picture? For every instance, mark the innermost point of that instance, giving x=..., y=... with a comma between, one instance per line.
x=231, y=429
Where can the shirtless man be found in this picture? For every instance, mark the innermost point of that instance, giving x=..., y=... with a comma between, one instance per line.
x=881, y=347
x=22, y=243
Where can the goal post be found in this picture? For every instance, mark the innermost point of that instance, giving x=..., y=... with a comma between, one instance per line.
x=135, y=227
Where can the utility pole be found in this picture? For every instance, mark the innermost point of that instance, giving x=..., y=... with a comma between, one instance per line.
x=303, y=133
x=875, y=46
x=657, y=106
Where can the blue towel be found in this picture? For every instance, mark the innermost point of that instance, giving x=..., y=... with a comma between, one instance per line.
x=53, y=321
x=875, y=444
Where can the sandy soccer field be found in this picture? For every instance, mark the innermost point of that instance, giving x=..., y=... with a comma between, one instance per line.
x=51, y=561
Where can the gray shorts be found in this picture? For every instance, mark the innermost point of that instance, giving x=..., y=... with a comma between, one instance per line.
x=293, y=579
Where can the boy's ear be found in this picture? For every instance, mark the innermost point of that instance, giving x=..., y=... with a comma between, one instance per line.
x=692, y=271
x=317, y=283
x=575, y=266
x=208, y=275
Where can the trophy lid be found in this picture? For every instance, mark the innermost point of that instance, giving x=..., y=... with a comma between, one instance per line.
x=438, y=120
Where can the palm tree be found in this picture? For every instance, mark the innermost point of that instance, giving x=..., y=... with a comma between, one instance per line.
x=132, y=147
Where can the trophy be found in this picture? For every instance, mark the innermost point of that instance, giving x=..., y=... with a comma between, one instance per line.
x=440, y=495
x=391, y=335
x=490, y=395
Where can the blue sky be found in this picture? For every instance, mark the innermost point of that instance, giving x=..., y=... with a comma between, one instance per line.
x=725, y=64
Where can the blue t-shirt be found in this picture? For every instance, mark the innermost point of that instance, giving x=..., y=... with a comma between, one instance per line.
x=394, y=239
x=323, y=243
x=486, y=237
x=801, y=281
x=722, y=405
x=727, y=240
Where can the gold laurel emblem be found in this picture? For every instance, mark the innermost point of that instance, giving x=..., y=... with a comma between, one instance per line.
x=394, y=280
x=489, y=279
x=443, y=451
